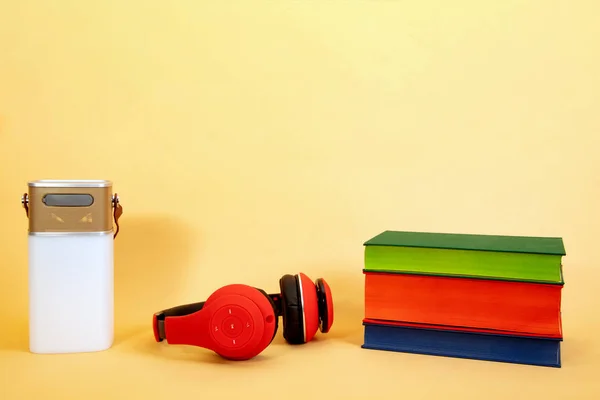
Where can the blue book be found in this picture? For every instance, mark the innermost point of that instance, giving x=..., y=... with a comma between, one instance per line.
x=537, y=351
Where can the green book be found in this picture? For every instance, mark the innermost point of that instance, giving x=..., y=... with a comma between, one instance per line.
x=518, y=258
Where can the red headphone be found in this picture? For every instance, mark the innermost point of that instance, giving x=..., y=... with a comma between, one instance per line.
x=238, y=321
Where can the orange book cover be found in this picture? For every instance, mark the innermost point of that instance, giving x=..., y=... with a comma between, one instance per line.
x=508, y=306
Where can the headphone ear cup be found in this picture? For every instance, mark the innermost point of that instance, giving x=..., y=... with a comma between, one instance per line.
x=300, y=308
x=291, y=310
x=237, y=323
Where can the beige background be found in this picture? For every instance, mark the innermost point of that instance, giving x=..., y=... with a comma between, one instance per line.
x=252, y=139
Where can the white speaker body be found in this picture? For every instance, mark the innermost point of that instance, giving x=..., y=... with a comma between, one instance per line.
x=71, y=292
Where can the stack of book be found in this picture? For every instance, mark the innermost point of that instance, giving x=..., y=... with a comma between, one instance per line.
x=484, y=297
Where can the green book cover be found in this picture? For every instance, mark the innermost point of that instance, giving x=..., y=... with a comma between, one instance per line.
x=521, y=258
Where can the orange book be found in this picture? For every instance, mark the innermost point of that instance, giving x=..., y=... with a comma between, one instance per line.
x=508, y=306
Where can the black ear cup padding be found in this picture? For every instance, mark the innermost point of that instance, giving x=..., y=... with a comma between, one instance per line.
x=291, y=305
x=322, y=301
x=272, y=305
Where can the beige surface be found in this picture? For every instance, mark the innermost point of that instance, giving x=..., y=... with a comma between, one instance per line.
x=253, y=139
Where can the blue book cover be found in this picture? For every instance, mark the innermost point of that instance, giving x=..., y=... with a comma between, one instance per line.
x=537, y=351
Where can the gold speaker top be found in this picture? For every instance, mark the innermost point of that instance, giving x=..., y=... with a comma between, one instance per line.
x=51, y=183
x=69, y=206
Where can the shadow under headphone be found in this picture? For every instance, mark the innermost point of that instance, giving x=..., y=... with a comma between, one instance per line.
x=239, y=321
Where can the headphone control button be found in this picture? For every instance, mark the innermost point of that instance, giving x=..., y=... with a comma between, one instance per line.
x=232, y=326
